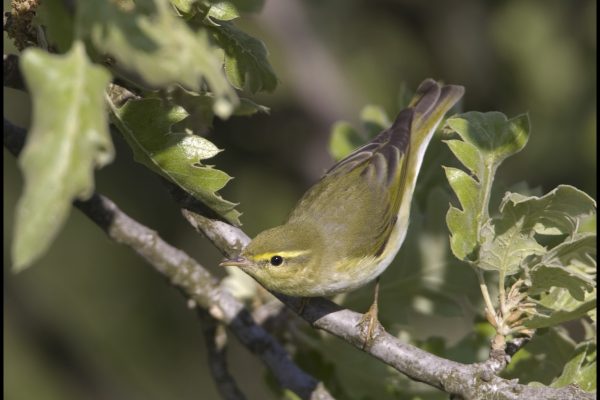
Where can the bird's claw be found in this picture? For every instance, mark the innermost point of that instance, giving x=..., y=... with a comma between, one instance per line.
x=369, y=326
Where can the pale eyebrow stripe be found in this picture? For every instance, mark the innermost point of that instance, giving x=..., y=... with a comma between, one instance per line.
x=284, y=254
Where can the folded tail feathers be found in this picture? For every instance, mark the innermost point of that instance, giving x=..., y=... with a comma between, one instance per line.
x=425, y=98
x=429, y=104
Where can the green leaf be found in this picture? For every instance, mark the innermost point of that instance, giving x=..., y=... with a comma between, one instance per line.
x=571, y=368
x=546, y=277
x=222, y=11
x=487, y=139
x=559, y=306
x=153, y=47
x=344, y=139
x=510, y=238
x=467, y=154
x=586, y=379
x=68, y=138
x=559, y=211
x=492, y=133
x=565, y=280
x=146, y=125
x=569, y=265
x=246, y=63
x=507, y=244
x=580, y=369
x=463, y=223
x=374, y=119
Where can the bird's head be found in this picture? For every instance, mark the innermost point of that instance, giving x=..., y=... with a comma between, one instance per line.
x=285, y=259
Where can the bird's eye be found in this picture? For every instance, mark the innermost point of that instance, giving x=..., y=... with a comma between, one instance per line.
x=276, y=260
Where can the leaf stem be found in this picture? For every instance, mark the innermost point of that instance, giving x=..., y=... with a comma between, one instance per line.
x=502, y=295
x=486, y=188
x=487, y=178
x=490, y=310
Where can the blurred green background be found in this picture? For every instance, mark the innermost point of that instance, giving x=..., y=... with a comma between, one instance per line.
x=92, y=321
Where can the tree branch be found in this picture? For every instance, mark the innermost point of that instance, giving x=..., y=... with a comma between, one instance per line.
x=216, y=340
x=470, y=381
x=195, y=281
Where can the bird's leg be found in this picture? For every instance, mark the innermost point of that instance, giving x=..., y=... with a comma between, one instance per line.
x=369, y=322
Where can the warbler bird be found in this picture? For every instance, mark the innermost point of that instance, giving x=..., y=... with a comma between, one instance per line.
x=348, y=227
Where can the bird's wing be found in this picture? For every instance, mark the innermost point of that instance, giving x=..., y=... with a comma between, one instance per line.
x=368, y=187
x=357, y=190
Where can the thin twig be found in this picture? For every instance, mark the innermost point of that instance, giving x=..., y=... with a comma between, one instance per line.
x=489, y=306
x=216, y=340
x=502, y=296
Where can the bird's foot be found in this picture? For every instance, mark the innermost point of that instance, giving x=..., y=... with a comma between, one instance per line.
x=370, y=326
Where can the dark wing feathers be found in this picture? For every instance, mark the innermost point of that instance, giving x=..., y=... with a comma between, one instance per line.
x=382, y=155
x=392, y=156
x=399, y=132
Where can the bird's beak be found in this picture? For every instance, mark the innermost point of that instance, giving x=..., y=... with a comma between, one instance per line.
x=235, y=262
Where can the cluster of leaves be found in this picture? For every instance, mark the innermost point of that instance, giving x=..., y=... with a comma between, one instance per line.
x=182, y=59
x=542, y=248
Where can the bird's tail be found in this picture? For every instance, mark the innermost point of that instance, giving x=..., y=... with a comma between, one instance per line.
x=430, y=102
x=429, y=105
x=422, y=117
